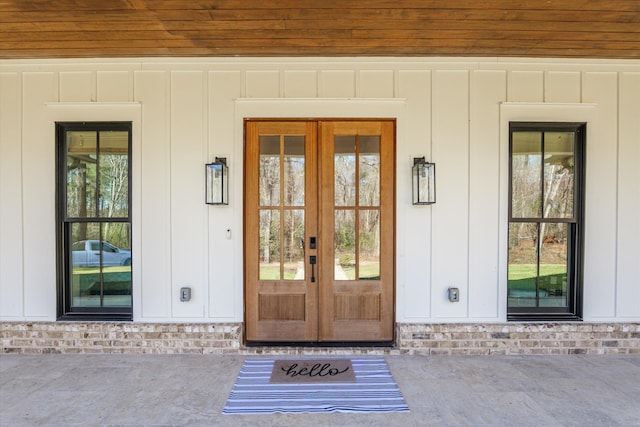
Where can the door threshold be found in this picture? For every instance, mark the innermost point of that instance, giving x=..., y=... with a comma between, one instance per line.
x=321, y=344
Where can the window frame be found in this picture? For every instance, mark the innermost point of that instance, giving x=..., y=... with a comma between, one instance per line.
x=575, y=234
x=65, y=311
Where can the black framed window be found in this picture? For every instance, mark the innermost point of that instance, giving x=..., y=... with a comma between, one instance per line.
x=546, y=193
x=94, y=220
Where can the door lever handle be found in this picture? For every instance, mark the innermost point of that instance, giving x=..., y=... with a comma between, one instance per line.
x=312, y=261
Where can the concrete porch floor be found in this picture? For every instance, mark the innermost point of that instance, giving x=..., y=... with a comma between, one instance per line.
x=191, y=390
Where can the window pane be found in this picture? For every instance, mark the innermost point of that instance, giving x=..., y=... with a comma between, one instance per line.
x=558, y=174
x=369, y=190
x=269, y=171
x=100, y=269
x=345, y=244
x=553, y=265
x=270, y=244
x=369, y=240
x=526, y=168
x=81, y=161
x=523, y=264
x=293, y=244
x=85, y=265
x=114, y=174
x=294, y=170
x=345, y=170
x=116, y=264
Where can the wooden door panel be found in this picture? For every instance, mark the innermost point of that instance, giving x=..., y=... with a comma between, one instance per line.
x=352, y=308
x=356, y=307
x=283, y=308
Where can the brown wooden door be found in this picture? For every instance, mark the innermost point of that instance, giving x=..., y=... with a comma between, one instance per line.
x=323, y=190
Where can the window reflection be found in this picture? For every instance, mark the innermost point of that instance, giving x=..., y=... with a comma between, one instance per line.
x=293, y=237
x=357, y=226
x=538, y=264
x=369, y=248
x=345, y=170
x=95, y=187
x=81, y=174
x=270, y=244
x=100, y=265
x=269, y=171
x=369, y=170
x=114, y=177
x=345, y=244
x=553, y=265
x=542, y=189
x=558, y=174
x=526, y=167
x=523, y=264
x=294, y=170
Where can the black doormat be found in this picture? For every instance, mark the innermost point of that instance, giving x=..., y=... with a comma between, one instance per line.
x=315, y=371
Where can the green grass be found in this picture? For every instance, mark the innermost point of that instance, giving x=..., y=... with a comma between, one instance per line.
x=367, y=272
x=552, y=277
x=525, y=271
x=272, y=272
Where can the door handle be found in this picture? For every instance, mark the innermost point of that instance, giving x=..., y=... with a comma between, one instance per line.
x=312, y=261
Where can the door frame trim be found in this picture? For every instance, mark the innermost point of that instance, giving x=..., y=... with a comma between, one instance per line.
x=313, y=109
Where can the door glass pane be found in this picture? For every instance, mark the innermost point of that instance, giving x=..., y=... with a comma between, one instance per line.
x=81, y=174
x=345, y=244
x=523, y=264
x=293, y=244
x=526, y=168
x=114, y=174
x=369, y=170
x=269, y=244
x=269, y=171
x=553, y=265
x=558, y=174
x=345, y=170
x=116, y=264
x=369, y=241
x=294, y=170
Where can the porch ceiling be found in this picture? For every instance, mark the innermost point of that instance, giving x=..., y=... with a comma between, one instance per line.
x=477, y=28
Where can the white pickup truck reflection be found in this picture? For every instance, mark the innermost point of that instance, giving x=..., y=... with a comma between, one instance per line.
x=86, y=253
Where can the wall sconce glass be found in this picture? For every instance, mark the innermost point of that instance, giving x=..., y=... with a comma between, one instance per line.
x=423, y=181
x=217, y=182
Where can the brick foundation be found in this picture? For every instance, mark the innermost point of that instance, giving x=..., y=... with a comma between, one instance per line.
x=419, y=339
x=520, y=338
x=130, y=338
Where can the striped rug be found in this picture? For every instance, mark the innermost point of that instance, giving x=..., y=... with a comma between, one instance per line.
x=374, y=391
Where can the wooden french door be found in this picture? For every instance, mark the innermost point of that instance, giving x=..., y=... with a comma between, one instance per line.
x=319, y=231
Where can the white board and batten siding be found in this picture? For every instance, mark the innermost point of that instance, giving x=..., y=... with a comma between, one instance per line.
x=186, y=112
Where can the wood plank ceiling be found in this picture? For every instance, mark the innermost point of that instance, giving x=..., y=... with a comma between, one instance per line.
x=187, y=28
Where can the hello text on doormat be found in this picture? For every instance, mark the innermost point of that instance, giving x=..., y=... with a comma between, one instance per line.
x=312, y=371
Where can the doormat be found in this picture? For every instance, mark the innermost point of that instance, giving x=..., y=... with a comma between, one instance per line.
x=312, y=371
x=374, y=390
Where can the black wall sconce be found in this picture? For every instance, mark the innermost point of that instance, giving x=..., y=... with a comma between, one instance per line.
x=423, y=181
x=217, y=182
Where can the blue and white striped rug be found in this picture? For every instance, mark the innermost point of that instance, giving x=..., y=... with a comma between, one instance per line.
x=374, y=391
